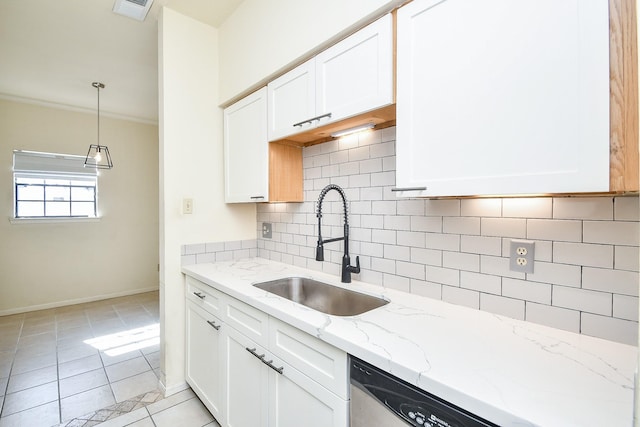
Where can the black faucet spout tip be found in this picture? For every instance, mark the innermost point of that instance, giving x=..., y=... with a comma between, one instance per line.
x=319, y=253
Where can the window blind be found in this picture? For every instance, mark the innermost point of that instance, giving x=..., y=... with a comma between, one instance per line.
x=36, y=164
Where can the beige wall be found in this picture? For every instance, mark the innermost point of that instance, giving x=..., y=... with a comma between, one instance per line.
x=52, y=264
x=261, y=38
x=191, y=165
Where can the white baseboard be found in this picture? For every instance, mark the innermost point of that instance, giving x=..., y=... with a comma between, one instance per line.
x=75, y=301
x=173, y=389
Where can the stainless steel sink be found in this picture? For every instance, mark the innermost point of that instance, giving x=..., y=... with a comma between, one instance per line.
x=323, y=297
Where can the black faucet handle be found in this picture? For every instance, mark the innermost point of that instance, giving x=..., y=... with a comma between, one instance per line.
x=355, y=269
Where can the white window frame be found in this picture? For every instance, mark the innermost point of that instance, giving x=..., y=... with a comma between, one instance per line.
x=53, y=166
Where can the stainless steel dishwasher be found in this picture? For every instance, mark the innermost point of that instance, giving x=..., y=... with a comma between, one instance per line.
x=379, y=399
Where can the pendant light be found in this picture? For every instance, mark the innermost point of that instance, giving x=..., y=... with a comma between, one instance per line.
x=98, y=155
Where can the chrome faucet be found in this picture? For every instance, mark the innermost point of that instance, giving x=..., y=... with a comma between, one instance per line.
x=347, y=268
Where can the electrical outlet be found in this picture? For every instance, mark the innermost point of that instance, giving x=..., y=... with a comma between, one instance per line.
x=521, y=255
x=266, y=230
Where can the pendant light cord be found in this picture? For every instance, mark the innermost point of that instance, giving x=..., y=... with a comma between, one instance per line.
x=98, y=86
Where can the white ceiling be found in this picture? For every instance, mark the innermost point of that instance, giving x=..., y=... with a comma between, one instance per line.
x=51, y=51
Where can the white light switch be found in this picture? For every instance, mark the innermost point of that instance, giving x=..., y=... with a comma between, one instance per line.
x=187, y=206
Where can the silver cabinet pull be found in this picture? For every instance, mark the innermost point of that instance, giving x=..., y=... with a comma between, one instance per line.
x=409, y=189
x=213, y=325
x=256, y=197
x=269, y=363
x=253, y=351
x=313, y=119
x=199, y=295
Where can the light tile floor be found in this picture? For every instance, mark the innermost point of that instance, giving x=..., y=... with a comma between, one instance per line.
x=59, y=364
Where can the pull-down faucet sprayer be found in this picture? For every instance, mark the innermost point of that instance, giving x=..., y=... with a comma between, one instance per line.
x=347, y=268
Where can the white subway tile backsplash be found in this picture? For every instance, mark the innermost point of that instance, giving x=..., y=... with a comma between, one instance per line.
x=596, y=208
x=383, y=178
x=383, y=236
x=556, y=317
x=544, y=250
x=193, y=249
x=626, y=208
x=610, y=328
x=383, y=265
x=369, y=138
x=503, y=227
x=582, y=299
x=371, y=165
x=461, y=225
x=527, y=291
x=612, y=233
x=383, y=207
x=445, y=276
x=536, y=207
x=411, y=270
x=481, y=245
x=512, y=308
x=456, y=249
x=399, y=283
x=626, y=258
x=341, y=158
x=446, y=242
x=606, y=280
x=557, y=274
x=481, y=282
x=460, y=296
x=360, y=180
x=410, y=238
x=498, y=266
x=426, y=223
x=372, y=249
x=411, y=207
x=583, y=254
x=402, y=253
x=395, y=222
x=550, y=229
x=481, y=207
x=205, y=257
x=389, y=163
x=461, y=261
x=382, y=150
x=426, y=289
x=359, y=153
x=426, y=256
x=442, y=207
x=625, y=307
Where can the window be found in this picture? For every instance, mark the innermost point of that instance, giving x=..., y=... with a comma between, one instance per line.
x=48, y=185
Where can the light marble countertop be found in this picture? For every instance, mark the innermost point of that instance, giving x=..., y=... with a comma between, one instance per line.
x=510, y=372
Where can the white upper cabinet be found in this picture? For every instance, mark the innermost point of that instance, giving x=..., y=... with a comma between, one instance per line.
x=292, y=100
x=351, y=77
x=502, y=97
x=246, y=149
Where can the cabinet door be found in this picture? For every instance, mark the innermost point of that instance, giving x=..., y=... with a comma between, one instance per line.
x=246, y=149
x=356, y=75
x=246, y=382
x=296, y=400
x=204, y=358
x=292, y=100
x=503, y=97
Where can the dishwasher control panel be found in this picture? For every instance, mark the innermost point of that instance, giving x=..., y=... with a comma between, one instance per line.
x=409, y=404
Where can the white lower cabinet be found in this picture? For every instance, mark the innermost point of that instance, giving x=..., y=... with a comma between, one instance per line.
x=258, y=371
x=246, y=381
x=204, y=366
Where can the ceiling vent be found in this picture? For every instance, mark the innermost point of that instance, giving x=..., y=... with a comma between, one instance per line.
x=136, y=9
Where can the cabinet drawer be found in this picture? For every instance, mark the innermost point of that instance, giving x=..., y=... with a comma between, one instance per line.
x=320, y=361
x=205, y=296
x=248, y=320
